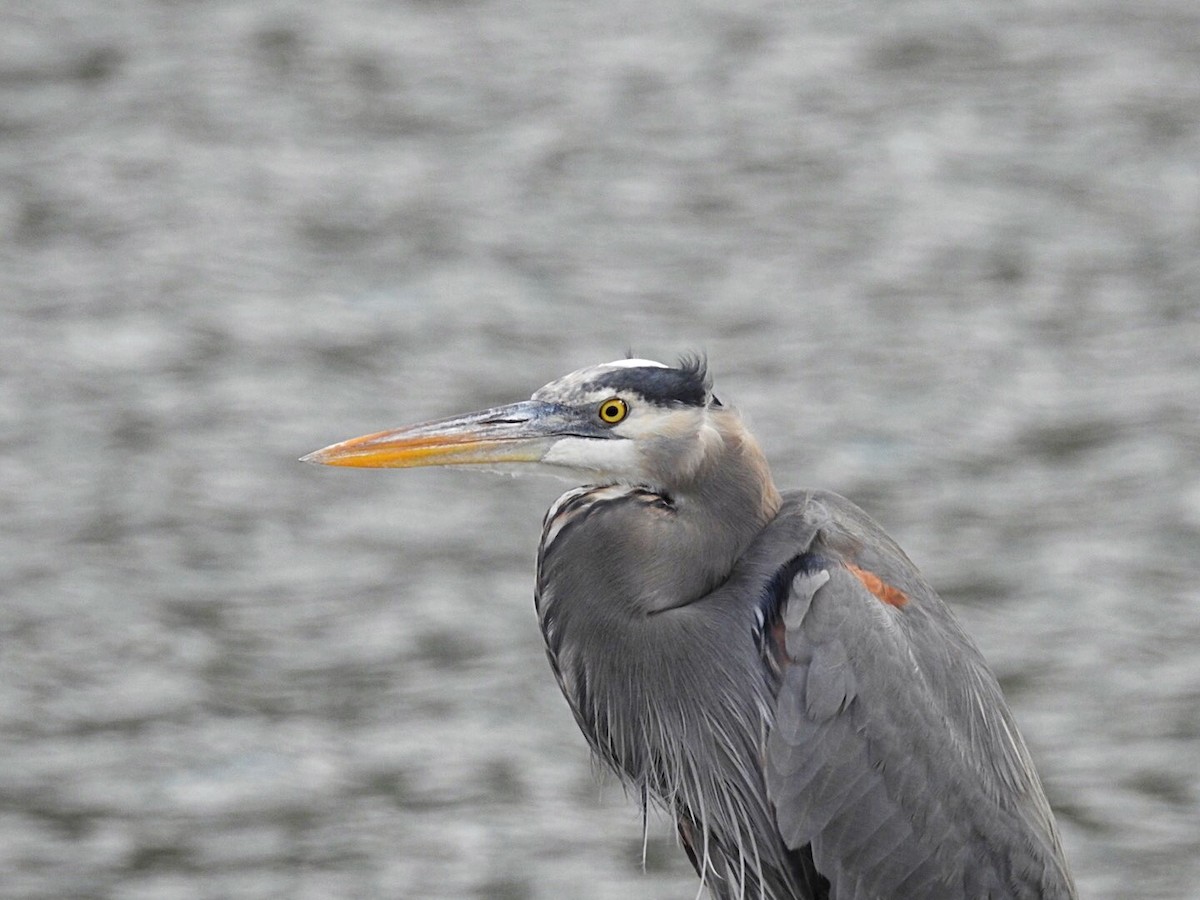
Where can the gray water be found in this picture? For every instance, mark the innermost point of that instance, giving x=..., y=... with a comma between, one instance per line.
x=943, y=256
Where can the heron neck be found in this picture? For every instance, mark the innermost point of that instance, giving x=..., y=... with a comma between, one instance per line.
x=721, y=509
x=616, y=553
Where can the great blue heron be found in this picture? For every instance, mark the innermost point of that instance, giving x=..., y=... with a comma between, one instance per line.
x=771, y=669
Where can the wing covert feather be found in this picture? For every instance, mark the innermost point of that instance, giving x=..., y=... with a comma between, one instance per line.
x=893, y=754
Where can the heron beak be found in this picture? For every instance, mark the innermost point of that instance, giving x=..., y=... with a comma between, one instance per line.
x=518, y=433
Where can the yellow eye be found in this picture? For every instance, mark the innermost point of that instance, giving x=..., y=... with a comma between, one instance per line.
x=613, y=410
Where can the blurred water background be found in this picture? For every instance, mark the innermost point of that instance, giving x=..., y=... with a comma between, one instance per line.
x=943, y=256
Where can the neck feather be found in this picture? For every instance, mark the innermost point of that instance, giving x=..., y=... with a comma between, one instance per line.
x=728, y=499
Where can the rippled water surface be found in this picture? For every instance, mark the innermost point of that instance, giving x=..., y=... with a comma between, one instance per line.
x=943, y=257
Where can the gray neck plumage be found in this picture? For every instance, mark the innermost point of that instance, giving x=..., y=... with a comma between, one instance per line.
x=638, y=550
x=617, y=558
x=623, y=573
x=719, y=507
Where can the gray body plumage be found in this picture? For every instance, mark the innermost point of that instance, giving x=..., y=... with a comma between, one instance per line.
x=772, y=670
x=889, y=753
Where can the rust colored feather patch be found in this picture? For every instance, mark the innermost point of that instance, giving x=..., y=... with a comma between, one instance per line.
x=883, y=591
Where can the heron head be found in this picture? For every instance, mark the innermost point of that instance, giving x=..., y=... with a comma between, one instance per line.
x=631, y=421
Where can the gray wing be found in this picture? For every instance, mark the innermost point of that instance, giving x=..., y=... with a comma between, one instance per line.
x=893, y=754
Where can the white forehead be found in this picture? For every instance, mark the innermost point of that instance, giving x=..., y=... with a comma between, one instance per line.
x=634, y=364
x=573, y=384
